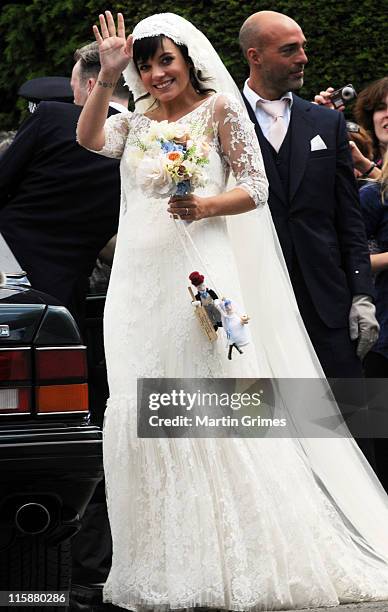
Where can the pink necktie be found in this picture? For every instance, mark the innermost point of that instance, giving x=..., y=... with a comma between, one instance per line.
x=278, y=128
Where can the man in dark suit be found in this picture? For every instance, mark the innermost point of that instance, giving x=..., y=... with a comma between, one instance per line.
x=313, y=196
x=60, y=203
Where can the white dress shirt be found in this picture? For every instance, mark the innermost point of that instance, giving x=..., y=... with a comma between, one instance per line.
x=119, y=107
x=264, y=120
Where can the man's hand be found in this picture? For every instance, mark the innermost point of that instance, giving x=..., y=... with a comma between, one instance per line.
x=363, y=324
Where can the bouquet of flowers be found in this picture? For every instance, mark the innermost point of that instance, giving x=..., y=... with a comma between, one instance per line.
x=169, y=159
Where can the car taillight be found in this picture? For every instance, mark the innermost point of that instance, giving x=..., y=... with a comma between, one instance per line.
x=61, y=380
x=15, y=364
x=56, y=364
x=62, y=398
x=15, y=380
x=15, y=400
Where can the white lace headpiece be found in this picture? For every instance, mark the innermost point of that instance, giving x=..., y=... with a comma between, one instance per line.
x=201, y=51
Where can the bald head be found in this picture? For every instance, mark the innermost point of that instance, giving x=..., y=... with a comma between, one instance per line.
x=263, y=25
x=274, y=46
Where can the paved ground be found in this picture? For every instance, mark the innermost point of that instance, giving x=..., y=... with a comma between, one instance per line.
x=381, y=606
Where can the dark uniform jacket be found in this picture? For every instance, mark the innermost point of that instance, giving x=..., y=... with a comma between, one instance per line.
x=59, y=203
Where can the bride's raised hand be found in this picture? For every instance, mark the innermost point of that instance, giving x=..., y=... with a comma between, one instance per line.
x=115, y=50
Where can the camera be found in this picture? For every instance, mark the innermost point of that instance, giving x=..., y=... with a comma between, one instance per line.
x=344, y=95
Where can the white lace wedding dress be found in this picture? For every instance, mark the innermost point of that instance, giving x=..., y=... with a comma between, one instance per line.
x=235, y=524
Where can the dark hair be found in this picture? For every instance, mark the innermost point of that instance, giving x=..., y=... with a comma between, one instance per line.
x=145, y=48
x=89, y=59
x=366, y=104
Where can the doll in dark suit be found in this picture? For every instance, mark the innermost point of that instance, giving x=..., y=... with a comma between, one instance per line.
x=206, y=297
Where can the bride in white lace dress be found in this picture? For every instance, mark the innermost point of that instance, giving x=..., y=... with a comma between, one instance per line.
x=234, y=524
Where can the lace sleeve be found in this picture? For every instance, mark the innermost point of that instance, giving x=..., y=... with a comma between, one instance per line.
x=240, y=147
x=116, y=130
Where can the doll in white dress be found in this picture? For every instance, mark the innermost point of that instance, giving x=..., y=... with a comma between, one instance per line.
x=234, y=325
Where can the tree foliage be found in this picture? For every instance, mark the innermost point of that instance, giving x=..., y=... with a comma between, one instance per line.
x=346, y=40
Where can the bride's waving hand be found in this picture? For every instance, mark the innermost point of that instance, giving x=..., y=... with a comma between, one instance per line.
x=115, y=50
x=115, y=54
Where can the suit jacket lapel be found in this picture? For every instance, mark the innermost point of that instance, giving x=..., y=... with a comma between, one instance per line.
x=302, y=131
x=270, y=167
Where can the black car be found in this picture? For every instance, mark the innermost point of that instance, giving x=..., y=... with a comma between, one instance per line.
x=50, y=454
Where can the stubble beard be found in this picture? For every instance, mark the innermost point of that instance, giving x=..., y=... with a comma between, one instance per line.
x=282, y=87
x=295, y=84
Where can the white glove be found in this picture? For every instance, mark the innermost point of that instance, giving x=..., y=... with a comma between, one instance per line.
x=363, y=324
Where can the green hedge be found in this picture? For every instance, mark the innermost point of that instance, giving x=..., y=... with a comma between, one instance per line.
x=38, y=37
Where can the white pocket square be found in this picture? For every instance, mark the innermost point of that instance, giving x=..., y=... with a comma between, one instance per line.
x=317, y=144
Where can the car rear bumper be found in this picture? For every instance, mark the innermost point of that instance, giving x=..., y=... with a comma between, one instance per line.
x=58, y=468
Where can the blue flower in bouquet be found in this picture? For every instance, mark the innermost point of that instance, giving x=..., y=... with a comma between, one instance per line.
x=168, y=146
x=183, y=188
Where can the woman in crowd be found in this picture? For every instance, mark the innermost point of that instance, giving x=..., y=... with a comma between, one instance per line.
x=371, y=112
x=374, y=203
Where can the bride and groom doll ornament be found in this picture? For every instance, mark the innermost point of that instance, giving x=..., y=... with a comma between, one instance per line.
x=220, y=313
